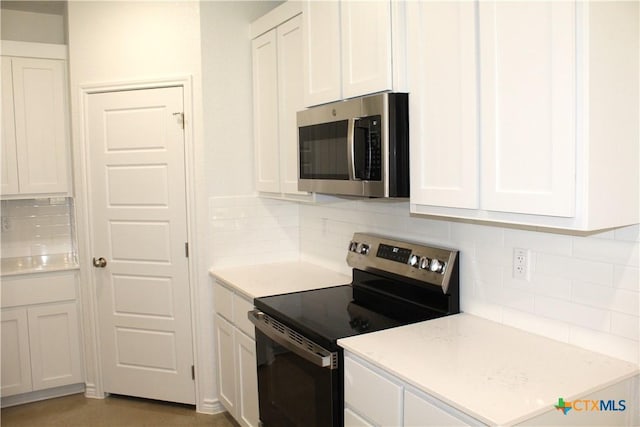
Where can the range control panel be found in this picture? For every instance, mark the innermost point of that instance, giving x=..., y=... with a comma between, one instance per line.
x=430, y=264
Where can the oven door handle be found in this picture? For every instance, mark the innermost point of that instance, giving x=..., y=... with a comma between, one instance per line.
x=301, y=346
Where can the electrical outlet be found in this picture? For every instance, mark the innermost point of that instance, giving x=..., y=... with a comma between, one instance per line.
x=5, y=224
x=521, y=264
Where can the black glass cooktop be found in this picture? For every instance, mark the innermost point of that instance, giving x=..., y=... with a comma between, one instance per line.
x=324, y=315
x=328, y=314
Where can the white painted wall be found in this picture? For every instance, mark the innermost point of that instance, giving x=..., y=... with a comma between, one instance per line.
x=227, y=94
x=127, y=41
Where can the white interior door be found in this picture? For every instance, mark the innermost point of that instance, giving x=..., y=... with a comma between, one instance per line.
x=137, y=191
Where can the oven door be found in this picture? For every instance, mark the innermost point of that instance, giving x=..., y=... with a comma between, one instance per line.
x=298, y=381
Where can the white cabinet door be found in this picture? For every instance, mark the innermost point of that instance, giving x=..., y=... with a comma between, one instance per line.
x=265, y=112
x=442, y=73
x=9, y=156
x=351, y=419
x=39, y=90
x=226, y=364
x=528, y=107
x=248, y=413
x=366, y=47
x=290, y=100
x=365, y=389
x=55, y=346
x=418, y=412
x=321, y=37
x=16, y=360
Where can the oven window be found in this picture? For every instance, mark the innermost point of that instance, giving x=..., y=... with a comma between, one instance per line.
x=323, y=151
x=292, y=391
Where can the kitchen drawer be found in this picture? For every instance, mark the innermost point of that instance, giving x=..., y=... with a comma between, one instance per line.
x=241, y=307
x=420, y=412
x=351, y=419
x=38, y=288
x=223, y=301
x=367, y=392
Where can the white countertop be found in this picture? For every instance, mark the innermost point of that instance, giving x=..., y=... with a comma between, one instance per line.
x=255, y=281
x=497, y=374
x=38, y=264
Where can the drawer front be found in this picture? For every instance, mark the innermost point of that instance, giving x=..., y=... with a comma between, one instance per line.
x=38, y=289
x=351, y=419
x=365, y=390
x=240, y=309
x=418, y=412
x=223, y=302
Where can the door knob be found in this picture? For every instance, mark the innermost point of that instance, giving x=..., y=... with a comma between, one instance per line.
x=100, y=262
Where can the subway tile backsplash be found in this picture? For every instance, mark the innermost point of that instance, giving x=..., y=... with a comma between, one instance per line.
x=583, y=290
x=249, y=229
x=31, y=227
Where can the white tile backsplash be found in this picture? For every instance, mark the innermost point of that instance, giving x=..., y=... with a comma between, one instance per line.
x=582, y=290
x=34, y=227
x=250, y=229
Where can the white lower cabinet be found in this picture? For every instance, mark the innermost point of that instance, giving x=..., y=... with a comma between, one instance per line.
x=236, y=353
x=16, y=360
x=40, y=342
x=365, y=389
x=373, y=397
x=351, y=419
x=422, y=411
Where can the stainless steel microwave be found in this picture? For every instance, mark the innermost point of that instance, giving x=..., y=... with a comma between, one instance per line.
x=357, y=147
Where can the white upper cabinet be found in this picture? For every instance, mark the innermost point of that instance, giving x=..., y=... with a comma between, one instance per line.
x=277, y=97
x=290, y=100
x=34, y=127
x=352, y=48
x=9, y=156
x=530, y=118
x=321, y=38
x=443, y=103
x=528, y=114
x=265, y=112
x=366, y=47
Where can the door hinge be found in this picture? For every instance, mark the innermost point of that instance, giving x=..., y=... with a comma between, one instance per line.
x=193, y=372
x=186, y=249
x=180, y=117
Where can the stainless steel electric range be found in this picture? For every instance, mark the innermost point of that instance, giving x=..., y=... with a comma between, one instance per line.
x=299, y=364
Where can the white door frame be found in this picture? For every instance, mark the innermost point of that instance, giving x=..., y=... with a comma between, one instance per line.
x=88, y=296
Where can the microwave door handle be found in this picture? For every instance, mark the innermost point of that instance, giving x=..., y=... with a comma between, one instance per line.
x=351, y=129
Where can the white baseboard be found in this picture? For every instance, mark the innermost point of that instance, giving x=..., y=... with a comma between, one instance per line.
x=36, y=396
x=210, y=406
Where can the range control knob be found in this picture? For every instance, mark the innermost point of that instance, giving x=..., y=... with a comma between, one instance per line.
x=413, y=260
x=363, y=249
x=353, y=246
x=424, y=263
x=436, y=266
